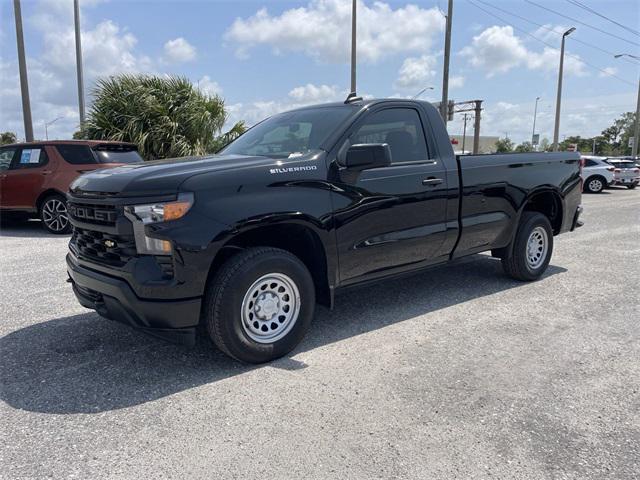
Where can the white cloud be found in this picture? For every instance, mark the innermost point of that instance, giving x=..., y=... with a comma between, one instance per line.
x=456, y=81
x=297, y=97
x=608, y=71
x=498, y=50
x=322, y=30
x=179, y=50
x=208, y=86
x=416, y=72
x=310, y=93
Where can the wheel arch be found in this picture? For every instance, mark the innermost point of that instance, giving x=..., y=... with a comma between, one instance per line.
x=298, y=238
x=47, y=193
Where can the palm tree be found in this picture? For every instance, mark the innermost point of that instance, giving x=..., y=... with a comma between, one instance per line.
x=164, y=116
x=8, y=137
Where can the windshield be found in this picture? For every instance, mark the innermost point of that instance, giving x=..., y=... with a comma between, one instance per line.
x=290, y=133
x=623, y=164
x=107, y=155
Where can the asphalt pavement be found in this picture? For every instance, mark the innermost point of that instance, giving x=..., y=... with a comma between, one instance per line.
x=458, y=372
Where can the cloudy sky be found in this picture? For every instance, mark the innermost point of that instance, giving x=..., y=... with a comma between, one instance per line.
x=266, y=56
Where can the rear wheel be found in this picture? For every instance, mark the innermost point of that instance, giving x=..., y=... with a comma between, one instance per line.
x=259, y=305
x=594, y=185
x=54, y=216
x=532, y=248
x=632, y=186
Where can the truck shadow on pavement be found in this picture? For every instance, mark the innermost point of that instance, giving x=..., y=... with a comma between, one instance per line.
x=86, y=364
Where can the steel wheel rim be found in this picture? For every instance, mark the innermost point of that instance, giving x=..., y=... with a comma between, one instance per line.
x=270, y=308
x=595, y=185
x=537, y=247
x=54, y=215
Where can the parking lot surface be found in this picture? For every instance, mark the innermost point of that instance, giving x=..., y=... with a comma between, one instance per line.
x=458, y=372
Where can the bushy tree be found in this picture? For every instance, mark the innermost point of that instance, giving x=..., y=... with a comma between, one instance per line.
x=8, y=137
x=164, y=116
x=504, y=145
x=524, y=147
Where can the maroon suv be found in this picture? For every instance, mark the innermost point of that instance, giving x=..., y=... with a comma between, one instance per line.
x=34, y=177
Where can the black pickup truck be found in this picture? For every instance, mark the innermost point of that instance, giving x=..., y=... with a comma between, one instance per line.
x=245, y=242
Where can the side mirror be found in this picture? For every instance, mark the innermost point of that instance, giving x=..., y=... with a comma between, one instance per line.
x=368, y=155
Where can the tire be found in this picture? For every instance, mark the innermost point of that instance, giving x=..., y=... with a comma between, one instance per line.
x=632, y=186
x=532, y=248
x=53, y=213
x=594, y=185
x=236, y=321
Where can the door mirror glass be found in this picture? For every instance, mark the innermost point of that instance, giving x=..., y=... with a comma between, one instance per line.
x=368, y=155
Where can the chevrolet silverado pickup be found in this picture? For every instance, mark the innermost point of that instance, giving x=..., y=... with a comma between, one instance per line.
x=242, y=244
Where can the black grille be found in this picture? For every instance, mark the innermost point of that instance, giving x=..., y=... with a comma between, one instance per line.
x=109, y=249
x=89, y=213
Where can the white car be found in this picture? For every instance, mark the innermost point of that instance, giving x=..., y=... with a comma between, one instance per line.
x=625, y=173
x=596, y=174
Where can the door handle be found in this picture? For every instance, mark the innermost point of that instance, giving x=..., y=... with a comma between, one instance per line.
x=46, y=172
x=432, y=181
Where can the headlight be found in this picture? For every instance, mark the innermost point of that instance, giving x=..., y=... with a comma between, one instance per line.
x=141, y=215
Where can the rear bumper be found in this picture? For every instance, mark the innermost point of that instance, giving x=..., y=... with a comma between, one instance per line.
x=113, y=298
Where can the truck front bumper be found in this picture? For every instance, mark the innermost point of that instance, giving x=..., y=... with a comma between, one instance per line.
x=113, y=298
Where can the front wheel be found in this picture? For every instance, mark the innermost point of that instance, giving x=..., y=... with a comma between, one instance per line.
x=54, y=216
x=259, y=305
x=531, y=249
x=632, y=186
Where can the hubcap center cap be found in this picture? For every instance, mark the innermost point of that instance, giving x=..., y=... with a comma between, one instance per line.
x=267, y=305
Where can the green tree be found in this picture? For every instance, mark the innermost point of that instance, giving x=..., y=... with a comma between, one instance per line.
x=616, y=137
x=585, y=145
x=164, y=116
x=524, y=147
x=545, y=144
x=228, y=137
x=504, y=145
x=7, y=138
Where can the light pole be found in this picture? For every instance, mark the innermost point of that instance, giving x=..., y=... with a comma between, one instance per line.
x=535, y=114
x=556, y=129
x=444, y=105
x=76, y=18
x=46, y=127
x=22, y=66
x=353, y=47
x=636, y=131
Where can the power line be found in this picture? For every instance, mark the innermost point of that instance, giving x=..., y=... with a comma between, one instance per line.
x=545, y=27
x=589, y=9
x=582, y=23
x=608, y=73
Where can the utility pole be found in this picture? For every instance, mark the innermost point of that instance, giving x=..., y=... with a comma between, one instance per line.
x=556, y=129
x=636, y=131
x=353, y=47
x=445, y=67
x=46, y=127
x=535, y=114
x=22, y=66
x=464, y=131
x=76, y=18
x=476, y=127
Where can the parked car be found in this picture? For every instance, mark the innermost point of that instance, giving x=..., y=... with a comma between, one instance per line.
x=625, y=173
x=35, y=177
x=597, y=174
x=301, y=205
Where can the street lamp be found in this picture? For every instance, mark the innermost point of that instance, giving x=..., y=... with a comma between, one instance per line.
x=421, y=92
x=46, y=126
x=535, y=114
x=636, y=131
x=556, y=129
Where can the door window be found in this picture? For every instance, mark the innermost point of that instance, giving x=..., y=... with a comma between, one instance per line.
x=76, y=154
x=30, y=158
x=401, y=128
x=6, y=156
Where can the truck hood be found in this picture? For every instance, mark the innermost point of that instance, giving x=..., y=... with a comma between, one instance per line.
x=160, y=177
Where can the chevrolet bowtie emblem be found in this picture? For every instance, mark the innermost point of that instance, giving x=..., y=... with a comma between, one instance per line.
x=109, y=243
